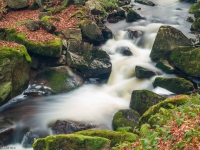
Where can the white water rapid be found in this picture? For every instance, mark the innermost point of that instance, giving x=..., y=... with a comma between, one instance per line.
x=97, y=103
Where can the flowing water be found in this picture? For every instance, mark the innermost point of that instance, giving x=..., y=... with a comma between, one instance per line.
x=97, y=103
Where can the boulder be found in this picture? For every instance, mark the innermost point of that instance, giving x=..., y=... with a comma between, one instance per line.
x=91, y=31
x=95, y=7
x=124, y=51
x=165, y=66
x=73, y=33
x=17, y=4
x=107, y=33
x=187, y=60
x=196, y=25
x=67, y=127
x=72, y=142
x=132, y=15
x=145, y=2
x=142, y=100
x=33, y=25
x=168, y=103
x=141, y=72
x=175, y=85
x=52, y=48
x=48, y=26
x=59, y=79
x=126, y=118
x=87, y=59
x=15, y=64
x=166, y=40
x=114, y=136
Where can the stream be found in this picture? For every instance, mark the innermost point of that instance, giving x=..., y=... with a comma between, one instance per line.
x=96, y=103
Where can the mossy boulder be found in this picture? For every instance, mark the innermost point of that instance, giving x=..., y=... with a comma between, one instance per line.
x=95, y=7
x=187, y=60
x=165, y=66
x=51, y=48
x=194, y=8
x=59, y=79
x=142, y=100
x=196, y=25
x=141, y=72
x=175, y=85
x=15, y=65
x=114, y=136
x=72, y=142
x=126, y=118
x=73, y=33
x=168, y=103
x=17, y=4
x=132, y=15
x=87, y=59
x=91, y=31
x=167, y=39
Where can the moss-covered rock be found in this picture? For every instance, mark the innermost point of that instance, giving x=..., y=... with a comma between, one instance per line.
x=89, y=60
x=91, y=31
x=165, y=66
x=73, y=33
x=142, y=100
x=95, y=7
x=196, y=25
x=59, y=79
x=132, y=15
x=166, y=40
x=141, y=72
x=175, y=85
x=71, y=142
x=114, y=136
x=187, y=60
x=17, y=4
x=51, y=48
x=194, y=8
x=169, y=103
x=15, y=65
x=126, y=118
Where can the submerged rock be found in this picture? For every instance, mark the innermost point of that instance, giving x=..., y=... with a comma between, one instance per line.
x=72, y=142
x=124, y=51
x=141, y=72
x=59, y=79
x=175, y=85
x=114, y=136
x=145, y=2
x=166, y=40
x=126, y=118
x=142, y=100
x=66, y=127
x=15, y=64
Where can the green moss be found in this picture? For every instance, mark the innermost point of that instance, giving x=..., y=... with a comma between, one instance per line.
x=194, y=8
x=47, y=48
x=167, y=104
x=165, y=66
x=115, y=137
x=71, y=141
x=65, y=3
x=5, y=90
x=144, y=129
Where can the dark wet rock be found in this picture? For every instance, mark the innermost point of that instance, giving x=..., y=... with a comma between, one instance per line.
x=196, y=25
x=15, y=64
x=43, y=14
x=141, y=72
x=48, y=26
x=167, y=39
x=190, y=19
x=165, y=66
x=91, y=31
x=142, y=100
x=124, y=2
x=7, y=129
x=73, y=33
x=187, y=60
x=107, y=33
x=132, y=34
x=132, y=15
x=29, y=138
x=145, y=2
x=113, y=17
x=33, y=25
x=124, y=51
x=121, y=12
x=17, y=4
x=67, y=127
x=37, y=90
x=175, y=85
x=126, y=118
x=35, y=62
x=59, y=79
x=87, y=59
